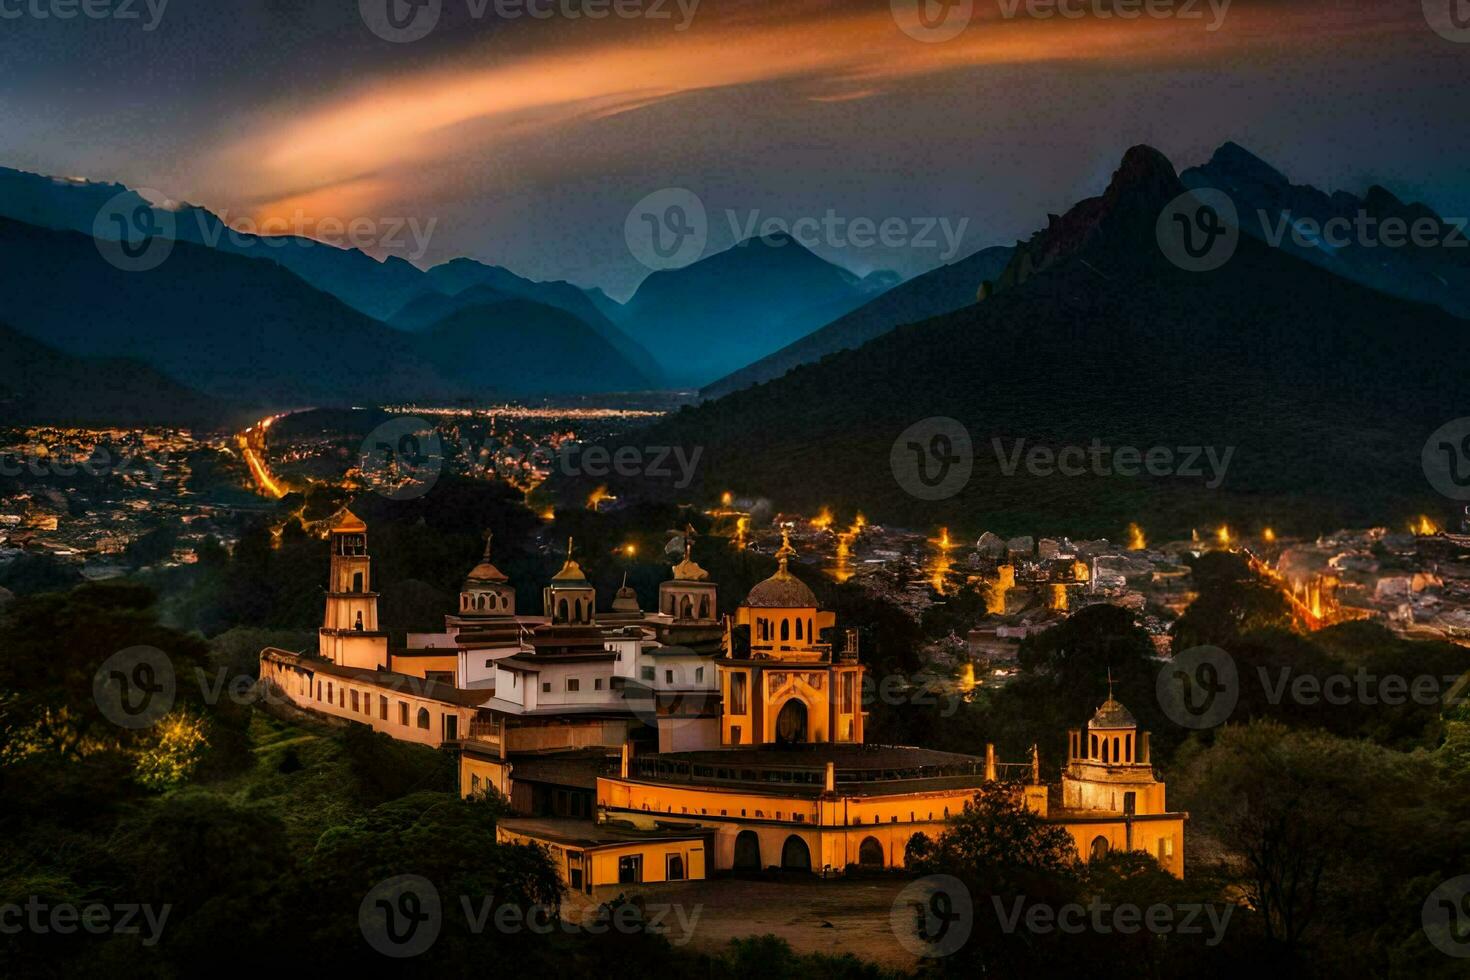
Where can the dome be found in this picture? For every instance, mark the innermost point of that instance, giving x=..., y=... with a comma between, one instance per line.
x=485, y=572
x=571, y=571
x=1112, y=715
x=626, y=601
x=783, y=591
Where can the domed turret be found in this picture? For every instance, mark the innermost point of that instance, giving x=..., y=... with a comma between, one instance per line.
x=782, y=590
x=570, y=599
x=689, y=597
x=486, y=589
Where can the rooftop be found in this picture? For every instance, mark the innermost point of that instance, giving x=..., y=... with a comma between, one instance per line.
x=585, y=833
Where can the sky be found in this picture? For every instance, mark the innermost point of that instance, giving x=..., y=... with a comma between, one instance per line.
x=525, y=132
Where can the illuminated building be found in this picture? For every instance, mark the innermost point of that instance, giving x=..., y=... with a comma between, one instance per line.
x=663, y=746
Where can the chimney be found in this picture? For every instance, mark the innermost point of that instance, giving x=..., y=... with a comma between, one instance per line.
x=1143, y=748
x=989, y=762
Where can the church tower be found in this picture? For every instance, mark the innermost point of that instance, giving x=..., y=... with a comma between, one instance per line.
x=349, y=635
x=784, y=686
x=1108, y=766
x=570, y=599
x=487, y=591
x=689, y=598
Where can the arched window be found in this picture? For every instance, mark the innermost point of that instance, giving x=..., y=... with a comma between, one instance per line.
x=747, y=851
x=1105, y=750
x=870, y=853
x=795, y=855
x=423, y=718
x=798, y=629
x=785, y=630
x=357, y=581
x=562, y=610
x=1127, y=748
x=686, y=608
x=1099, y=848
x=1093, y=753
x=704, y=608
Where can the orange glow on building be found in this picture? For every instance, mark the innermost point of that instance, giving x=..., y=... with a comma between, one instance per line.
x=597, y=497
x=1424, y=527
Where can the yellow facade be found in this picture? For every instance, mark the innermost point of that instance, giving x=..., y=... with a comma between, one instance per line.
x=389, y=703
x=609, y=859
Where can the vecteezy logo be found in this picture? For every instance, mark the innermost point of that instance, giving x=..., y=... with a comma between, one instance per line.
x=667, y=229
x=401, y=21
x=1199, y=230
x=933, y=459
x=133, y=235
x=1446, y=917
x=1450, y=19
x=932, y=21
x=401, y=917
x=1446, y=459
x=135, y=687
x=933, y=916
x=402, y=458
x=1199, y=688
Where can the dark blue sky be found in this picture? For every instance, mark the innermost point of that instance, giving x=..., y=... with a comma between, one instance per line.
x=526, y=140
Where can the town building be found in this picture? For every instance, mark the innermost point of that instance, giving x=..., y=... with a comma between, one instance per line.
x=675, y=744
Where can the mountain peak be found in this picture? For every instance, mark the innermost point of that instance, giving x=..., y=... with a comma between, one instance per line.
x=1121, y=220
x=1236, y=161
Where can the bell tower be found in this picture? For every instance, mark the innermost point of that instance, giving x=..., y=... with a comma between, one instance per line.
x=786, y=686
x=570, y=599
x=688, y=598
x=349, y=635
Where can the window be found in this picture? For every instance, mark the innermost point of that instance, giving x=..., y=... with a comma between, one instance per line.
x=597, y=683
x=699, y=675
x=668, y=677
x=354, y=701
x=451, y=728
x=382, y=707
x=475, y=783
x=329, y=692
x=546, y=687
x=630, y=869
x=423, y=718
x=674, y=867
x=738, y=685
x=646, y=673
x=403, y=713
x=574, y=684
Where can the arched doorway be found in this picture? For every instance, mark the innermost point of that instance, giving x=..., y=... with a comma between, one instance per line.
x=870, y=853
x=1099, y=848
x=747, y=851
x=791, y=722
x=795, y=855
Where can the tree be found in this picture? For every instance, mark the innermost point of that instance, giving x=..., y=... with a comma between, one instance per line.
x=1233, y=600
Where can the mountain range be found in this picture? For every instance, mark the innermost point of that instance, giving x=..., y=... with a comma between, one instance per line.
x=240, y=321
x=938, y=291
x=715, y=316
x=1316, y=391
x=1350, y=236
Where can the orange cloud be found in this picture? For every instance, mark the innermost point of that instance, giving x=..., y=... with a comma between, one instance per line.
x=386, y=133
